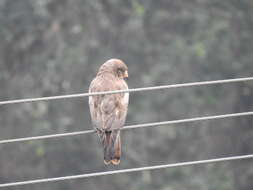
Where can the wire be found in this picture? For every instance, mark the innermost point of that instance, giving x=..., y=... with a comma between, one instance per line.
x=180, y=164
x=125, y=91
x=127, y=127
x=130, y=127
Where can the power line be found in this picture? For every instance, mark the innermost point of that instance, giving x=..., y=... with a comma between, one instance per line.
x=127, y=127
x=125, y=91
x=180, y=164
x=131, y=127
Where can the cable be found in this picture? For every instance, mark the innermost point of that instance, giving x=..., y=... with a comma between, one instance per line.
x=126, y=170
x=127, y=127
x=130, y=127
x=125, y=91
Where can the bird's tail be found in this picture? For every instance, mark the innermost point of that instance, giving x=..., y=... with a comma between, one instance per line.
x=112, y=146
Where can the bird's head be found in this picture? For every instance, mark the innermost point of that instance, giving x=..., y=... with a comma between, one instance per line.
x=116, y=67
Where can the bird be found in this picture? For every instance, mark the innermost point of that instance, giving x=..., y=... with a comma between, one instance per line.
x=108, y=111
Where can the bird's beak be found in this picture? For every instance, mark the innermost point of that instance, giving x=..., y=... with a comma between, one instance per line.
x=125, y=74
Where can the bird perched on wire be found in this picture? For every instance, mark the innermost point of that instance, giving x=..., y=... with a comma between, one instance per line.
x=108, y=112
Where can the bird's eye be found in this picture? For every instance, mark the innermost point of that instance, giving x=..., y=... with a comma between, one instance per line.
x=120, y=72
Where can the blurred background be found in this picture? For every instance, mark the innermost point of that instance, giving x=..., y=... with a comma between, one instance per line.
x=55, y=47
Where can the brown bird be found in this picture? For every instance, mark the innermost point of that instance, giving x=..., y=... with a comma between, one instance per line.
x=108, y=112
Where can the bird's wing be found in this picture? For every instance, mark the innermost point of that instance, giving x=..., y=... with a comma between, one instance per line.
x=108, y=111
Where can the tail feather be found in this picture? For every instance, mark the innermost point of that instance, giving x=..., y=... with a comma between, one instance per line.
x=112, y=146
x=117, y=150
x=106, y=144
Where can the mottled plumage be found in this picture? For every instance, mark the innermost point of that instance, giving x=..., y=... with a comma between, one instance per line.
x=108, y=112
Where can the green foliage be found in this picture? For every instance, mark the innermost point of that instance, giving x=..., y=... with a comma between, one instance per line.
x=200, y=50
x=138, y=8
